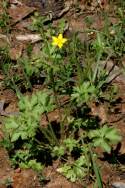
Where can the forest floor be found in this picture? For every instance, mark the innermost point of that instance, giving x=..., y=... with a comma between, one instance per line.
x=79, y=15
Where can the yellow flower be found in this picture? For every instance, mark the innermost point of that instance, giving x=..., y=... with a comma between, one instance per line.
x=59, y=41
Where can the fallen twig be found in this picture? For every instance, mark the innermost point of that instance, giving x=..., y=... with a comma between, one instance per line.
x=29, y=37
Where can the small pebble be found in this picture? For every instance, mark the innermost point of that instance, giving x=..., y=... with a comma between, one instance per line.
x=118, y=185
x=18, y=170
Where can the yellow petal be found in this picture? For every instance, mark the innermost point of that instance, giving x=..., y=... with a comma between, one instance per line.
x=64, y=40
x=55, y=41
x=60, y=44
x=54, y=38
x=60, y=37
x=54, y=44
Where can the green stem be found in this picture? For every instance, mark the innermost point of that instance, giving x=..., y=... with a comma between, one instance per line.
x=15, y=87
x=96, y=169
x=57, y=103
x=26, y=77
x=47, y=135
x=96, y=68
x=53, y=81
x=79, y=68
x=51, y=129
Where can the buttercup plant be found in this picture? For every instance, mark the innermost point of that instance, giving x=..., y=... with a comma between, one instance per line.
x=28, y=139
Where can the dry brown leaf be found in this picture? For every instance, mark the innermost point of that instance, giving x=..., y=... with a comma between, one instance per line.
x=16, y=52
x=17, y=13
